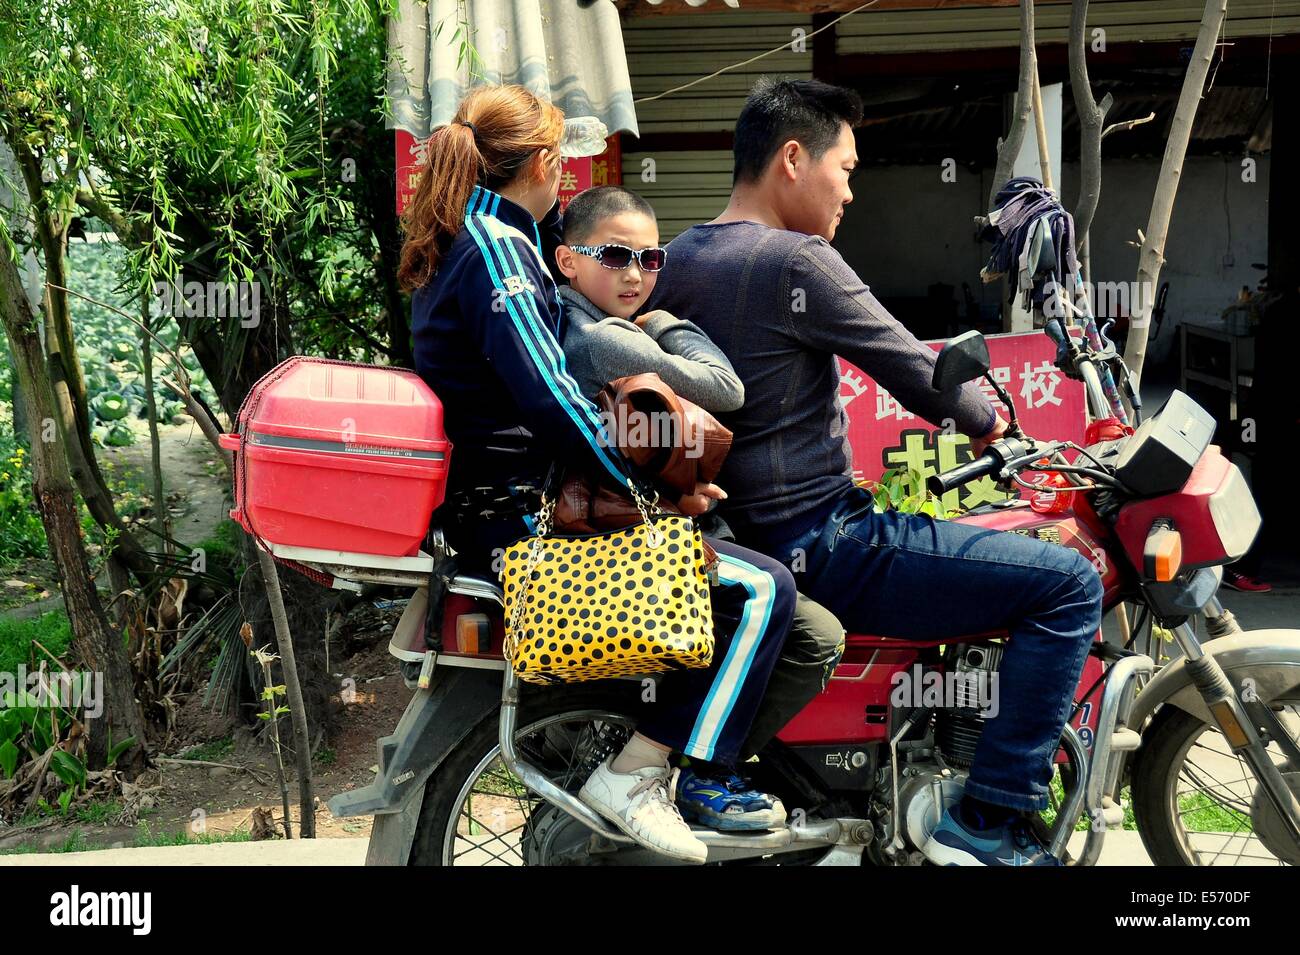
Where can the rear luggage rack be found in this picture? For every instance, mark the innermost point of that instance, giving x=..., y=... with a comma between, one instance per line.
x=351, y=571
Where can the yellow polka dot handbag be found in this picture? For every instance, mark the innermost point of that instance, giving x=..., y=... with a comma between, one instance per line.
x=594, y=606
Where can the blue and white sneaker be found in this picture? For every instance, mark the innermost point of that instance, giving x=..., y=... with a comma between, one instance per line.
x=727, y=803
x=953, y=843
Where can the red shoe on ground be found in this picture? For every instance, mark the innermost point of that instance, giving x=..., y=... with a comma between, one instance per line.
x=1244, y=582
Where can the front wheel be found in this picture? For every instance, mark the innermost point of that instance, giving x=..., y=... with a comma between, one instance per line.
x=1196, y=802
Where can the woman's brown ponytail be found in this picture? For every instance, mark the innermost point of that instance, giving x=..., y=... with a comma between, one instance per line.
x=496, y=130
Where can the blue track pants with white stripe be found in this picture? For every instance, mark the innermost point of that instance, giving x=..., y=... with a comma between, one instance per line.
x=706, y=713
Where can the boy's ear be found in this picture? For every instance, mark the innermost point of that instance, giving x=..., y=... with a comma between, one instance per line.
x=564, y=258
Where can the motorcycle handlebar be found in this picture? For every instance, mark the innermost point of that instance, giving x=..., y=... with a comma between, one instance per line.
x=986, y=464
x=995, y=457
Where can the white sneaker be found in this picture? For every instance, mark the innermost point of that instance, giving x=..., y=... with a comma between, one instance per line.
x=642, y=804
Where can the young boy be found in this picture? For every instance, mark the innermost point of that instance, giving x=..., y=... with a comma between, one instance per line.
x=610, y=256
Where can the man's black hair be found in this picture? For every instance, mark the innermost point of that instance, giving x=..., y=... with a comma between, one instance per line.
x=590, y=208
x=777, y=111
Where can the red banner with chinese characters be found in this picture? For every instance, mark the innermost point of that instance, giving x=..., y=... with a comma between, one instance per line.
x=576, y=175
x=411, y=154
x=884, y=435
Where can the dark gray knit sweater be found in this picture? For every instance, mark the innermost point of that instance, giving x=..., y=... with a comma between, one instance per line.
x=781, y=305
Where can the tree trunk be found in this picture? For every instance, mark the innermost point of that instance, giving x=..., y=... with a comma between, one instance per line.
x=98, y=646
x=85, y=473
x=293, y=696
x=1009, y=148
x=1151, y=258
x=1092, y=120
x=65, y=378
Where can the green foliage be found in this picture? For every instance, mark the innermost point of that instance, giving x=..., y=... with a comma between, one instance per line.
x=110, y=349
x=17, y=639
x=212, y=751
x=75, y=842
x=28, y=732
x=98, y=811
x=22, y=535
x=905, y=491
x=1201, y=812
x=145, y=836
x=222, y=548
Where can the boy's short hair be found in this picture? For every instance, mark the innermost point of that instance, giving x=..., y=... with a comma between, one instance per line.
x=777, y=111
x=588, y=209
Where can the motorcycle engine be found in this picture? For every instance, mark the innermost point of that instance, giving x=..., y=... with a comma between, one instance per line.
x=957, y=729
x=933, y=770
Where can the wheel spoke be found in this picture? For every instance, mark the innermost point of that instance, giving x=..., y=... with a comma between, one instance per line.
x=495, y=838
x=557, y=747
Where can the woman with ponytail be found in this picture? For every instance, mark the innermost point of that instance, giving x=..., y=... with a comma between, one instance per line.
x=487, y=322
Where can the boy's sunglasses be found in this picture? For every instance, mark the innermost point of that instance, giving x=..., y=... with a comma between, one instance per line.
x=620, y=256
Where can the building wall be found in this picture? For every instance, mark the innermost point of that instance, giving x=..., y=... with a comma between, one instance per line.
x=1219, y=227
x=907, y=229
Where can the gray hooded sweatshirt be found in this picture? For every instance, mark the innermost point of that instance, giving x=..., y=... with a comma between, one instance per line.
x=599, y=348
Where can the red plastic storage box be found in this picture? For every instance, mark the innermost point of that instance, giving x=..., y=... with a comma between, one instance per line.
x=339, y=456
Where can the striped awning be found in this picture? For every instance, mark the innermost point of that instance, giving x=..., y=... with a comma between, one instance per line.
x=569, y=51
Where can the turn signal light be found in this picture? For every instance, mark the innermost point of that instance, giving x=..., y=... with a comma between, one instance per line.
x=1163, y=553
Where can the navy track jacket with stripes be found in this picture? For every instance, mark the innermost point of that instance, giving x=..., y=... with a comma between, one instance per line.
x=487, y=329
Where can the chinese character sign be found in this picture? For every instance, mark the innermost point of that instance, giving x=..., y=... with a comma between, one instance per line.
x=412, y=154
x=885, y=435
x=576, y=174
x=587, y=172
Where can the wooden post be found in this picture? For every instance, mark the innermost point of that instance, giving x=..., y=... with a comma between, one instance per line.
x=293, y=693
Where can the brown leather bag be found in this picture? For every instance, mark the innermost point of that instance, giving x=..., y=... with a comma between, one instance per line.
x=587, y=506
x=695, y=445
x=684, y=445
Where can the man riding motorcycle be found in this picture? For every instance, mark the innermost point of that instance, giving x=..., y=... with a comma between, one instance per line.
x=764, y=283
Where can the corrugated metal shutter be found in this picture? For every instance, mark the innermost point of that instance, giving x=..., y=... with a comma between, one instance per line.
x=688, y=187
x=692, y=186
x=1125, y=21
x=665, y=52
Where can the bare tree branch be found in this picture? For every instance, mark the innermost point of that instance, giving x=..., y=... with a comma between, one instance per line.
x=1171, y=169
x=1127, y=125
x=1009, y=148
x=205, y=423
x=1092, y=118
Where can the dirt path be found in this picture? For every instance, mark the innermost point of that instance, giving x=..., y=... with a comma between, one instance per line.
x=195, y=486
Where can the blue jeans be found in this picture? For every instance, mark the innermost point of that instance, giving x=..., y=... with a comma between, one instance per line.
x=914, y=577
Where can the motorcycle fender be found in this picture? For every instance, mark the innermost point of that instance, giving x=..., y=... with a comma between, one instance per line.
x=1269, y=657
x=435, y=721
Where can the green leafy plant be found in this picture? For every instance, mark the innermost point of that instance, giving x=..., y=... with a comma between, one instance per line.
x=270, y=693
x=904, y=490
x=21, y=534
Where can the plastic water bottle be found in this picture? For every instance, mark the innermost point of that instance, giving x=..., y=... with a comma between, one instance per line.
x=583, y=136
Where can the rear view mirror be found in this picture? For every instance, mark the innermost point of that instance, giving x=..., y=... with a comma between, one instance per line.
x=963, y=359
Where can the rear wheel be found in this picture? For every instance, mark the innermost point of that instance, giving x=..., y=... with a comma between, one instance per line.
x=476, y=812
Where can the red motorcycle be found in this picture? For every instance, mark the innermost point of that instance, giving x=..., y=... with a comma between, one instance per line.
x=484, y=770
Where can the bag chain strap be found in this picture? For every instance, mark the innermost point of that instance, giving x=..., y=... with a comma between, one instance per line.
x=654, y=538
